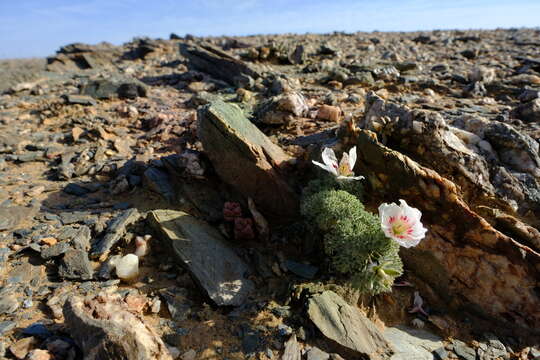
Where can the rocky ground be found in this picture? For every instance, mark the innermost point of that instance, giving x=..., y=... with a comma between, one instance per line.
x=193, y=152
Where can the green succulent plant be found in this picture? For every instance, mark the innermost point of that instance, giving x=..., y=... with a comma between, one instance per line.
x=352, y=236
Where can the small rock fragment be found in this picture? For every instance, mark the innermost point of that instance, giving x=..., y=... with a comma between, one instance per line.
x=231, y=210
x=75, y=265
x=328, y=112
x=21, y=348
x=39, y=354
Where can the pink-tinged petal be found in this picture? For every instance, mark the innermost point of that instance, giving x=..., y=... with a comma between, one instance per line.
x=386, y=211
x=330, y=169
x=329, y=158
x=402, y=223
x=352, y=157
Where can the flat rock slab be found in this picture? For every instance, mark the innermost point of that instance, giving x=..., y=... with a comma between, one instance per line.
x=246, y=159
x=412, y=344
x=201, y=249
x=347, y=326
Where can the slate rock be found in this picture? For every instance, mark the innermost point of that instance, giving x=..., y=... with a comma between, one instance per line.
x=247, y=160
x=75, y=265
x=347, y=326
x=201, y=249
x=80, y=99
x=6, y=326
x=115, y=231
x=12, y=216
x=55, y=250
x=529, y=111
x=8, y=304
x=412, y=344
x=440, y=353
x=158, y=181
x=463, y=351
x=82, y=237
x=316, y=354
x=77, y=190
x=113, y=87
x=292, y=350
x=303, y=270
x=73, y=217
x=494, y=349
x=218, y=63
x=37, y=329
x=251, y=341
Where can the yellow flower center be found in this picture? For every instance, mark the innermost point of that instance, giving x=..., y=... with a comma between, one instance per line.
x=344, y=169
x=400, y=227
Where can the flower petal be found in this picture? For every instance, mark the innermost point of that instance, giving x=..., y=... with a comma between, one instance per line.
x=350, y=178
x=329, y=157
x=330, y=169
x=352, y=157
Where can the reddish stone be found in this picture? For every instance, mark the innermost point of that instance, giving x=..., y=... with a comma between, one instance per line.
x=243, y=229
x=231, y=210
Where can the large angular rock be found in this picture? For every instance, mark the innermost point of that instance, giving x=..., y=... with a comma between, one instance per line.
x=412, y=344
x=246, y=159
x=493, y=163
x=463, y=258
x=348, y=327
x=104, y=328
x=219, y=64
x=201, y=249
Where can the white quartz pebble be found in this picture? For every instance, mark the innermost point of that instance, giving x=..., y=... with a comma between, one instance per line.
x=127, y=268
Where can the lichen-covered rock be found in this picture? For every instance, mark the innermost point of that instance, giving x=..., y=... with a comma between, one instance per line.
x=247, y=160
x=494, y=164
x=463, y=257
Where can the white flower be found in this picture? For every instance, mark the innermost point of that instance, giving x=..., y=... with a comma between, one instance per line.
x=343, y=170
x=402, y=223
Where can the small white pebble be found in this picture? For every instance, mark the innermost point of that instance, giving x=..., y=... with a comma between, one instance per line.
x=127, y=268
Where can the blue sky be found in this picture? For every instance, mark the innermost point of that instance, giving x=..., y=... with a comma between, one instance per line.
x=39, y=27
